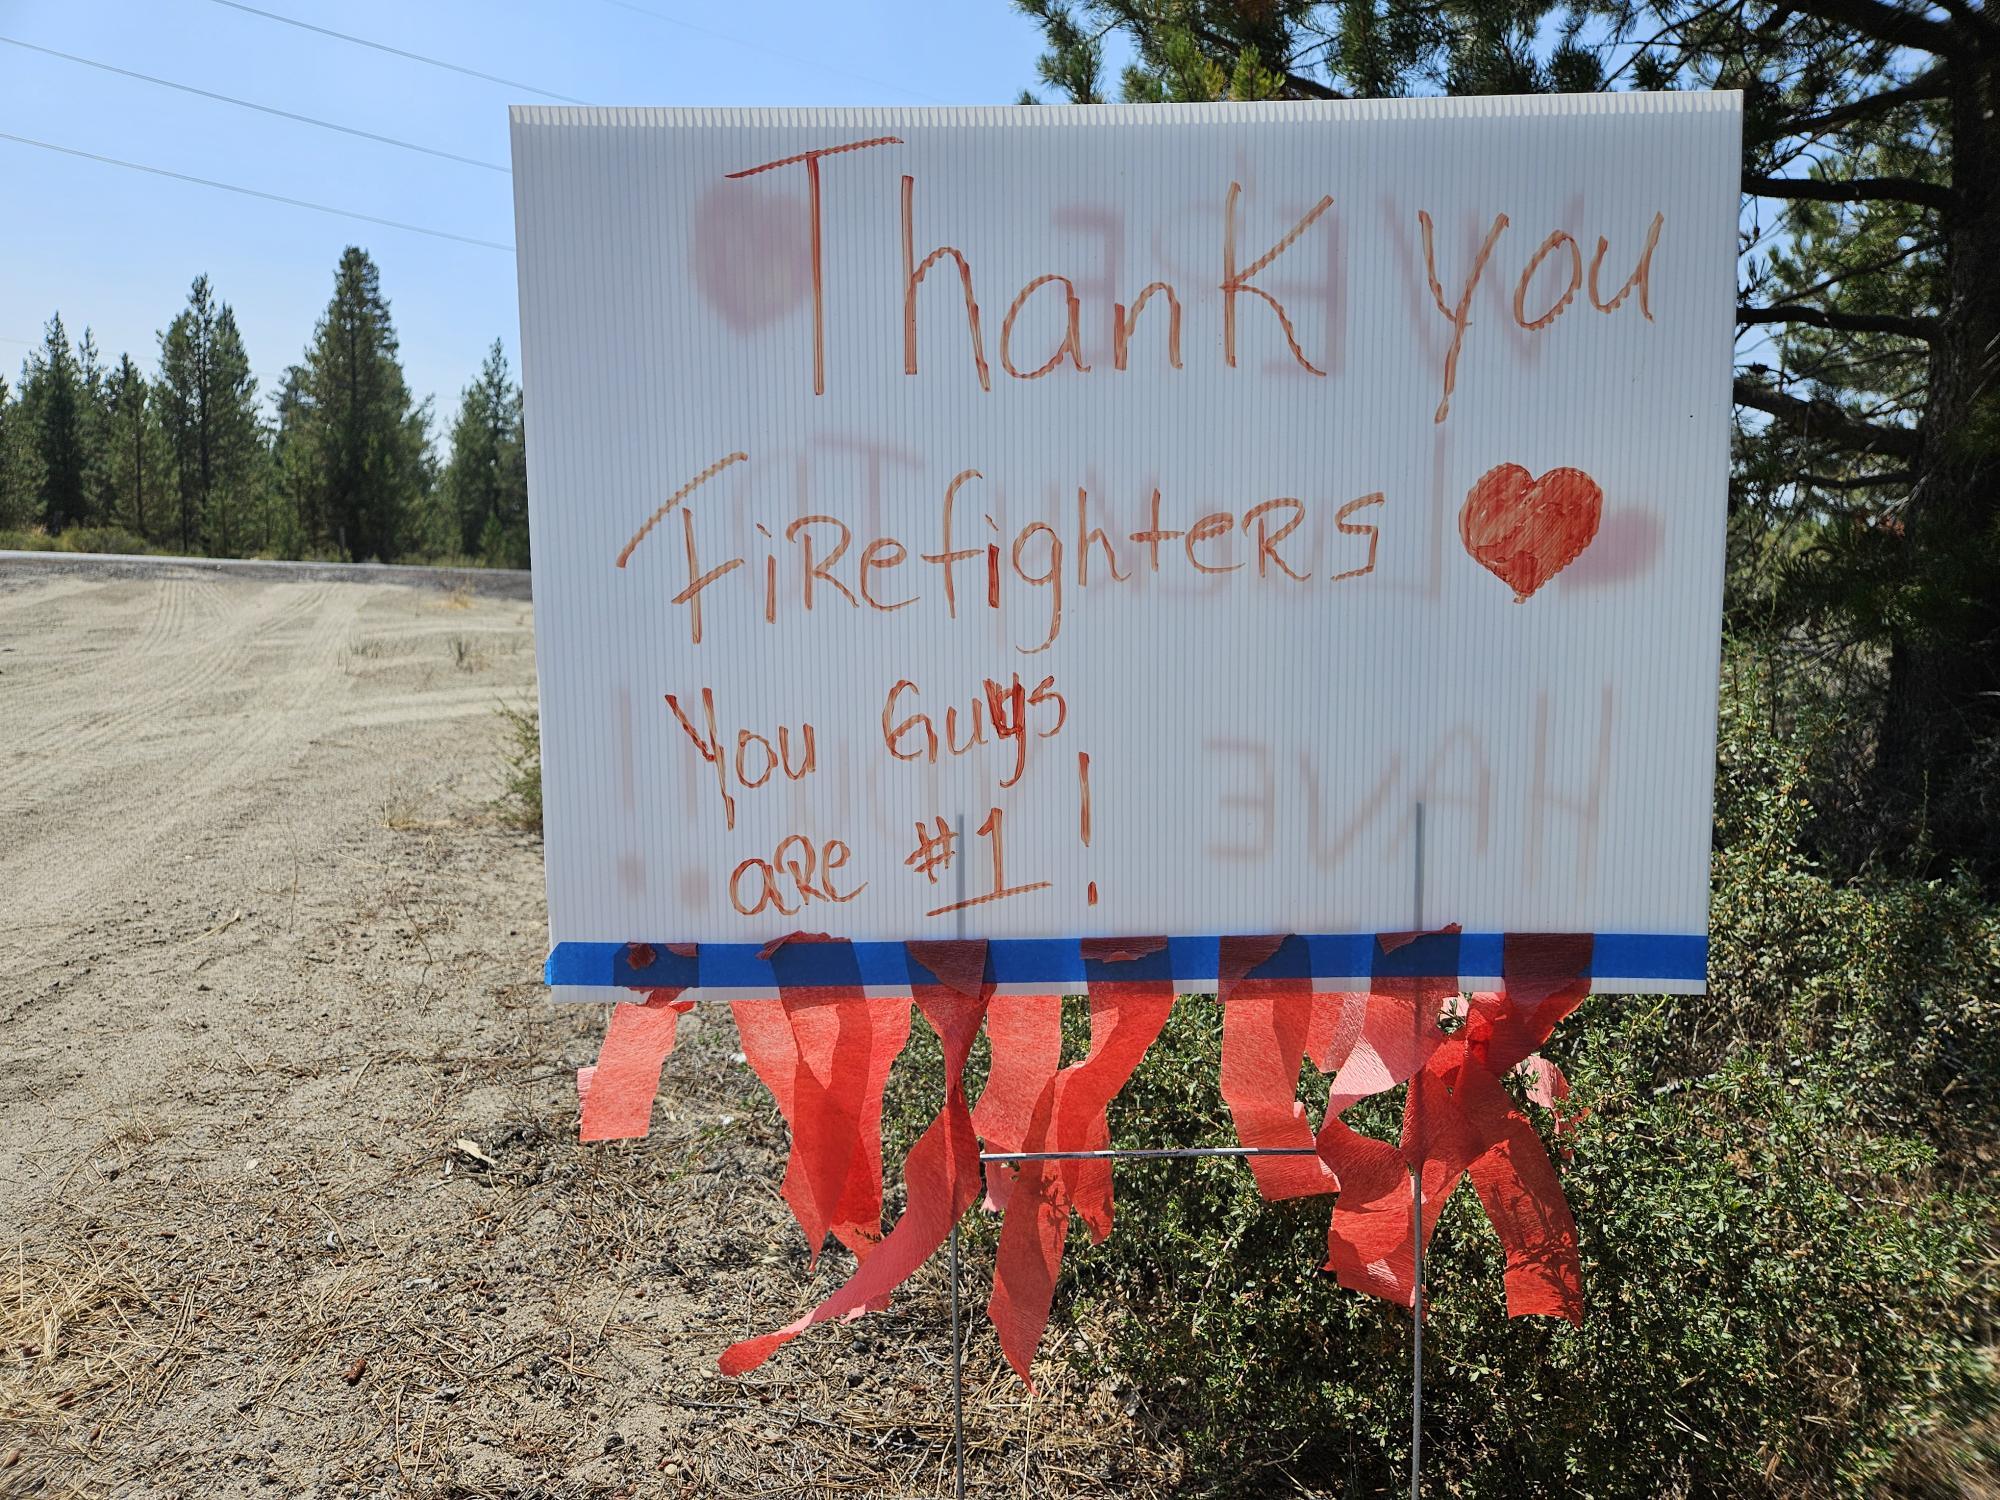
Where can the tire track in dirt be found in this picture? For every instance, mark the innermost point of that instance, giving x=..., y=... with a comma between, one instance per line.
x=288, y=639
x=201, y=636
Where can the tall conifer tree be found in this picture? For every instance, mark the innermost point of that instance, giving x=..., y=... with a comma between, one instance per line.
x=486, y=483
x=54, y=394
x=16, y=493
x=136, y=461
x=208, y=407
x=355, y=441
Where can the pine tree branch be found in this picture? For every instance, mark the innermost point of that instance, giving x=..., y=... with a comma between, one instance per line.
x=1311, y=88
x=1895, y=479
x=1884, y=23
x=1852, y=273
x=1823, y=422
x=1930, y=85
x=1974, y=19
x=1849, y=190
x=1839, y=322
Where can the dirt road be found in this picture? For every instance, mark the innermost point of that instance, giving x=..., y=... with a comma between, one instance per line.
x=287, y=1127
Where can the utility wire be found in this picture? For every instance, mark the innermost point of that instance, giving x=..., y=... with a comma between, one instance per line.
x=230, y=187
x=362, y=41
x=283, y=114
x=815, y=64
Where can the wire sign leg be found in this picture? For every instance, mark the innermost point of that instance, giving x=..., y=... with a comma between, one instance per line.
x=957, y=1383
x=1417, y=1209
x=957, y=1344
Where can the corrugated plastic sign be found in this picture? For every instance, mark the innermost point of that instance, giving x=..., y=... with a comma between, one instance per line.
x=1044, y=524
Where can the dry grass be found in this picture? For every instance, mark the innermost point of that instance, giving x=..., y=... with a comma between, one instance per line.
x=469, y=655
x=84, y=1333
x=215, y=1304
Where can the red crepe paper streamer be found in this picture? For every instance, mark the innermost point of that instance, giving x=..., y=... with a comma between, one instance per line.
x=940, y=1175
x=764, y=954
x=1119, y=950
x=616, y=1096
x=1269, y=1027
x=825, y=1056
x=1548, y=1088
x=1025, y=1033
x=1069, y=1115
x=1460, y=1122
x=825, y=1053
x=959, y=966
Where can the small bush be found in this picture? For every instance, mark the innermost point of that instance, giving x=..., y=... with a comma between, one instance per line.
x=103, y=539
x=521, y=801
x=96, y=539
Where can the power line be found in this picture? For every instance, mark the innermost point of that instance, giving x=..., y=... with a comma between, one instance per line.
x=283, y=114
x=816, y=64
x=230, y=187
x=362, y=41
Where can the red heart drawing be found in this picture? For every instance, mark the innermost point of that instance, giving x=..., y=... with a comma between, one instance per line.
x=1525, y=530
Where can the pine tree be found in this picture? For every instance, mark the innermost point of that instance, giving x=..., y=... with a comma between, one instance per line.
x=54, y=395
x=485, y=486
x=355, y=442
x=186, y=386
x=20, y=459
x=299, y=494
x=233, y=521
x=16, y=496
x=136, y=458
x=208, y=408
x=94, y=396
x=1870, y=411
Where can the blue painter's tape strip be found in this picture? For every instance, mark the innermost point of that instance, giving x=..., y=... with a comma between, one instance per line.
x=1420, y=957
x=1059, y=962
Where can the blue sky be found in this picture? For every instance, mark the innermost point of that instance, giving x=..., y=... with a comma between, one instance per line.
x=115, y=249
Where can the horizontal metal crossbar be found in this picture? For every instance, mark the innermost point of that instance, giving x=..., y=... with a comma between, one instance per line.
x=1138, y=1153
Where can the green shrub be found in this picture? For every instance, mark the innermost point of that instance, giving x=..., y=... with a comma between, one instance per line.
x=1786, y=1231
x=1776, y=1298
x=99, y=539
x=103, y=539
x=521, y=799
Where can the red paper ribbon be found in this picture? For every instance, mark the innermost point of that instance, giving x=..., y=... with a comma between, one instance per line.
x=1269, y=1026
x=617, y=1095
x=825, y=1055
x=1069, y=1115
x=941, y=1173
x=1459, y=1121
x=1025, y=1035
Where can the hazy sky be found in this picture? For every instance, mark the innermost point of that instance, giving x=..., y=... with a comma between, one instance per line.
x=114, y=249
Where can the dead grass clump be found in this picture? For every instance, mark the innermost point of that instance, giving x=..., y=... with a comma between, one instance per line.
x=85, y=1337
x=469, y=655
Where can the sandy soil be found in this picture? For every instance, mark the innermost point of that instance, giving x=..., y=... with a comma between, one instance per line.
x=288, y=1172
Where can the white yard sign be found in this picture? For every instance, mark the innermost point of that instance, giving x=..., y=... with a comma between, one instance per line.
x=1033, y=524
